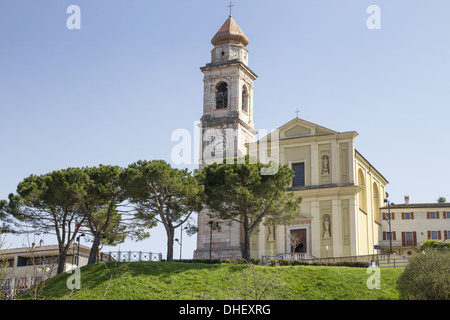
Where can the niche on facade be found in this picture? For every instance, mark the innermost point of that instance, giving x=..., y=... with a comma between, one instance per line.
x=325, y=163
x=326, y=226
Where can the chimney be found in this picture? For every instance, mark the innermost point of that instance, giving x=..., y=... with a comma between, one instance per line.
x=41, y=243
x=33, y=245
x=406, y=199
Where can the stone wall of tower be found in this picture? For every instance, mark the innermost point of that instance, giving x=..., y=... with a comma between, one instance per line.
x=228, y=52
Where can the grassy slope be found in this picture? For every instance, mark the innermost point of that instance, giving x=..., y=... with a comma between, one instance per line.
x=186, y=281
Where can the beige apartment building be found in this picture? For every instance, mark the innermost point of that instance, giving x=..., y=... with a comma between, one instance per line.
x=22, y=268
x=412, y=224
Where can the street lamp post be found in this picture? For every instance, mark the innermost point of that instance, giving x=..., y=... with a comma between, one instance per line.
x=180, y=242
x=388, y=220
x=78, y=249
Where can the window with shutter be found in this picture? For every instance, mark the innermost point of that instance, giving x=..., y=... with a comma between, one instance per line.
x=408, y=238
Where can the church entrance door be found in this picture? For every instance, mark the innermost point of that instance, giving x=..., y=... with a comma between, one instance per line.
x=298, y=241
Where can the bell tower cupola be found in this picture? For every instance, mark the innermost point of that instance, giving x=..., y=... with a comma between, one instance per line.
x=229, y=44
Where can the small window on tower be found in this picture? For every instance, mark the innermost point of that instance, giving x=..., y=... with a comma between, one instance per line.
x=222, y=96
x=244, y=99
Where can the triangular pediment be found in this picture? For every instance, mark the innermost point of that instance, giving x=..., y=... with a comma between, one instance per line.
x=298, y=131
x=302, y=128
x=299, y=128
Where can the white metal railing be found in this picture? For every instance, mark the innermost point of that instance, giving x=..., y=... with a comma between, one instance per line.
x=288, y=256
x=297, y=256
x=381, y=260
x=130, y=256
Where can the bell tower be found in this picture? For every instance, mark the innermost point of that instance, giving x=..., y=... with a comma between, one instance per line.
x=226, y=126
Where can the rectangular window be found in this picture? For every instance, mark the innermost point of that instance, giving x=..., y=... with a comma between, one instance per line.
x=434, y=235
x=299, y=174
x=407, y=215
x=432, y=215
x=389, y=236
x=408, y=236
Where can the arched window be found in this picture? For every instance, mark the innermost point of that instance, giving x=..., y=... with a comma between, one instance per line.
x=244, y=99
x=363, y=192
x=376, y=203
x=222, y=96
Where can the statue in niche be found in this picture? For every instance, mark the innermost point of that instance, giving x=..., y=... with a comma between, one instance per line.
x=271, y=233
x=326, y=228
x=325, y=165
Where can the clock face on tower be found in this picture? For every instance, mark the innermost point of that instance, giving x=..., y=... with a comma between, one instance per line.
x=218, y=144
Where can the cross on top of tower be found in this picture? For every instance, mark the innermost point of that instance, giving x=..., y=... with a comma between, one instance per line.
x=297, y=112
x=230, y=6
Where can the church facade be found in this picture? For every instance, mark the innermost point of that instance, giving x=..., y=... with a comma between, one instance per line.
x=341, y=191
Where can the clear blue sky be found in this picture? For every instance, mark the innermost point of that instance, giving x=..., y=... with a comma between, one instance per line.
x=115, y=90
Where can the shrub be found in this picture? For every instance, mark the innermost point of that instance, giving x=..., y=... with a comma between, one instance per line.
x=426, y=277
x=433, y=244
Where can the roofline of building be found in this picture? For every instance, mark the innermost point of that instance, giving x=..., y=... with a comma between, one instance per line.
x=37, y=250
x=418, y=205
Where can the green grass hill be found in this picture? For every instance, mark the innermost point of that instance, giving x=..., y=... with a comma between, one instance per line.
x=201, y=281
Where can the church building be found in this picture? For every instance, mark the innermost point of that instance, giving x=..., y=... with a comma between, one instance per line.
x=341, y=191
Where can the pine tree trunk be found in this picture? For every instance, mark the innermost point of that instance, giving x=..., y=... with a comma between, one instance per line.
x=94, y=249
x=61, y=262
x=170, y=238
x=246, y=253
